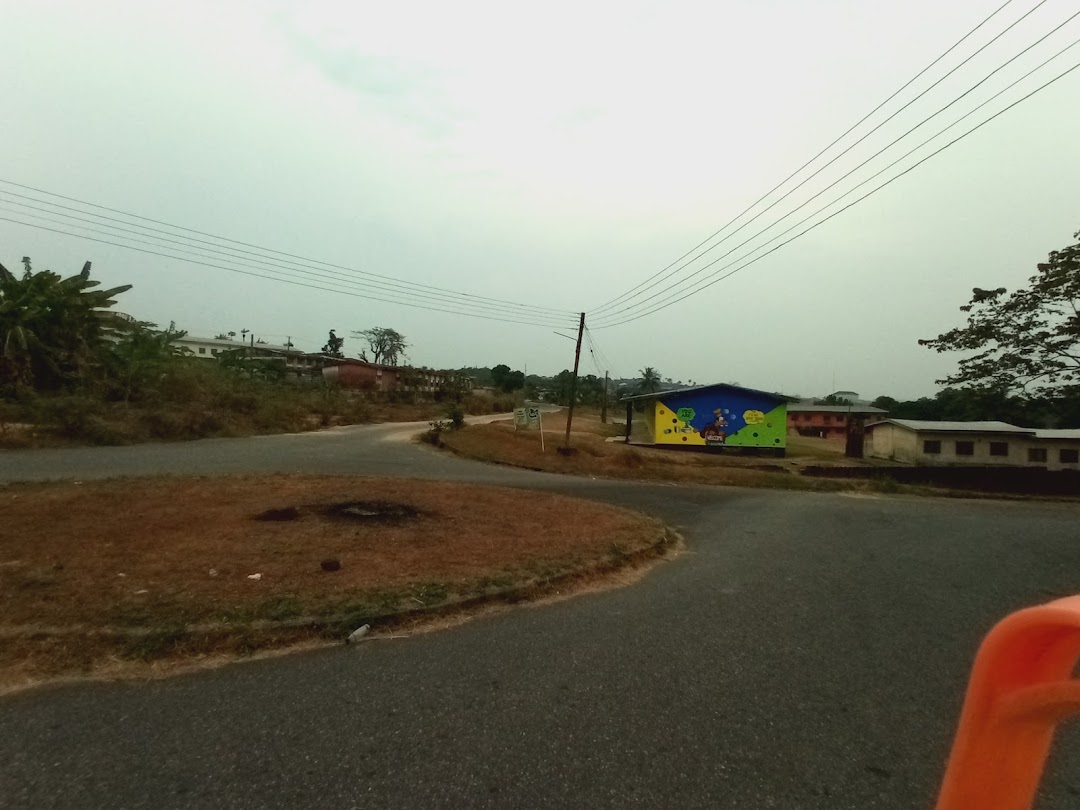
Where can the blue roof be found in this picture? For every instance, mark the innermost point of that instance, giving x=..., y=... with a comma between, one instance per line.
x=713, y=386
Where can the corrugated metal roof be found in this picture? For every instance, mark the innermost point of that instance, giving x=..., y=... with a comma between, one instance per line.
x=658, y=394
x=801, y=407
x=957, y=427
x=1067, y=433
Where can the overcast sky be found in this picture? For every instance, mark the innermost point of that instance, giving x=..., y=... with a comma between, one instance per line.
x=554, y=155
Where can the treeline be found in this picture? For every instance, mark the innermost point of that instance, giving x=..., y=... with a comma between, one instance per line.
x=73, y=368
x=1060, y=409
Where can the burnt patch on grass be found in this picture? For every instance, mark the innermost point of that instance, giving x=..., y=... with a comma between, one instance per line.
x=382, y=512
x=279, y=515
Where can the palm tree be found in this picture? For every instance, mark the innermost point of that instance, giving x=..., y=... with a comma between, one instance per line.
x=650, y=381
x=51, y=328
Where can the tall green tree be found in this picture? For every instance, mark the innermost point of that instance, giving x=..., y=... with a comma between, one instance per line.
x=53, y=330
x=1027, y=340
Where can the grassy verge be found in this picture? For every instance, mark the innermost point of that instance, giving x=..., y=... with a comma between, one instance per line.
x=113, y=576
x=499, y=442
x=209, y=403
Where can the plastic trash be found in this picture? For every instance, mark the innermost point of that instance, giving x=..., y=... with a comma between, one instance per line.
x=254, y=576
x=358, y=633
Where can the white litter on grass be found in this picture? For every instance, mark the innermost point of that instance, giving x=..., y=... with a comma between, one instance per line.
x=142, y=591
x=213, y=572
x=358, y=633
x=254, y=576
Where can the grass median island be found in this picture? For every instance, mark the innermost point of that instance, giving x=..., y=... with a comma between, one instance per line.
x=106, y=576
x=500, y=442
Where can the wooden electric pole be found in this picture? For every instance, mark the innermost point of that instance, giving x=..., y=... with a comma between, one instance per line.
x=573, y=382
x=603, y=407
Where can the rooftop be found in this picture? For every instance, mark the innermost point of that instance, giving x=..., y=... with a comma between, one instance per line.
x=1067, y=433
x=803, y=407
x=958, y=427
x=234, y=344
x=693, y=388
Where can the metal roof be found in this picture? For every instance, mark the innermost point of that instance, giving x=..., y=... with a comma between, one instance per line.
x=668, y=392
x=1068, y=433
x=234, y=344
x=802, y=407
x=956, y=427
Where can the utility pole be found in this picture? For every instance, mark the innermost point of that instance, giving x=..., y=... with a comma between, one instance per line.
x=603, y=407
x=573, y=384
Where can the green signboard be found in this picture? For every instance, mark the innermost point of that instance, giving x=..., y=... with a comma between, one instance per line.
x=685, y=414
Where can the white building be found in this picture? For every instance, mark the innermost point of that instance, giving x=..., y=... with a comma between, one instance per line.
x=212, y=348
x=976, y=443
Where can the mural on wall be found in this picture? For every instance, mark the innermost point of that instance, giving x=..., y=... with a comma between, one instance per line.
x=724, y=416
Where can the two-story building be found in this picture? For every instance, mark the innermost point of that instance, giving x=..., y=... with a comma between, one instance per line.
x=828, y=421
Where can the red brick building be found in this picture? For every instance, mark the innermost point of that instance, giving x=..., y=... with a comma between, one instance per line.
x=829, y=421
x=366, y=376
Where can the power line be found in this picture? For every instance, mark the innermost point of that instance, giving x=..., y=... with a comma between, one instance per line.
x=278, y=269
x=884, y=149
x=283, y=280
x=398, y=282
x=839, y=211
x=661, y=273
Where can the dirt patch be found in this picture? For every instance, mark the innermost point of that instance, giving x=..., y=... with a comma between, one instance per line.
x=130, y=571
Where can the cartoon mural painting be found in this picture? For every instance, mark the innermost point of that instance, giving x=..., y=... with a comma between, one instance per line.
x=719, y=416
x=714, y=432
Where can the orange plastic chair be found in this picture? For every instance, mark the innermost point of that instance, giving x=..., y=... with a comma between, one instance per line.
x=1021, y=687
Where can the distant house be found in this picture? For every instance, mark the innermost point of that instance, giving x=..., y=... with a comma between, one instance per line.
x=711, y=416
x=352, y=373
x=828, y=421
x=294, y=361
x=976, y=443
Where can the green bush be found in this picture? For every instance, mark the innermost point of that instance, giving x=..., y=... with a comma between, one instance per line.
x=456, y=414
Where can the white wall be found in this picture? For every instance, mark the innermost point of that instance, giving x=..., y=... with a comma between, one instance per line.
x=901, y=444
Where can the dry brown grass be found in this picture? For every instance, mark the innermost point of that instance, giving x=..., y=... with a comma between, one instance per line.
x=152, y=557
x=499, y=442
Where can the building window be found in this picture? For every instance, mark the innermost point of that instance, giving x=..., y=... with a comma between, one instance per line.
x=826, y=418
x=931, y=446
x=1068, y=456
x=965, y=448
x=999, y=448
x=213, y=351
x=1037, y=455
x=202, y=350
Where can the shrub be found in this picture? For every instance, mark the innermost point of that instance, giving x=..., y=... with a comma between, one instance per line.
x=433, y=435
x=456, y=414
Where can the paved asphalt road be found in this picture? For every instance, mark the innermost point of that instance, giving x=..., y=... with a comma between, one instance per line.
x=808, y=651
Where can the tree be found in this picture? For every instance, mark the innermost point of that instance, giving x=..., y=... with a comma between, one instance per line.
x=139, y=360
x=833, y=399
x=886, y=404
x=387, y=345
x=225, y=336
x=506, y=380
x=333, y=346
x=649, y=382
x=1027, y=340
x=54, y=330
x=499, y=374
